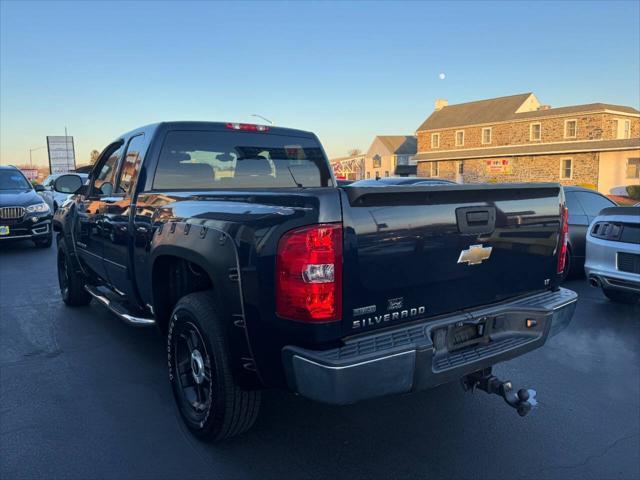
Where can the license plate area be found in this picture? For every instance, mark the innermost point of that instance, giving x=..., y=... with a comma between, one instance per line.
x=465, y=334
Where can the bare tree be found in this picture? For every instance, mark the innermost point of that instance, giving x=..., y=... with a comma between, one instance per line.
x=93, y=156
x=354, y=152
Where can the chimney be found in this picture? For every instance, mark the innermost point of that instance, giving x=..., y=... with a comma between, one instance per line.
x=441, y=103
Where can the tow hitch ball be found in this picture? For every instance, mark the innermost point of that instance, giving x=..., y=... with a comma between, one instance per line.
x=522, y=400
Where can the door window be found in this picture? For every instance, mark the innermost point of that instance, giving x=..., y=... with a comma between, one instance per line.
x=593, y=203
x=131, y=165
x=104, y=182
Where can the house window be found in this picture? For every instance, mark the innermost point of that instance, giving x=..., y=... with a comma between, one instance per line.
x=621, y=128
x=570, y=128
x=535, y=132
x=434, y=169
x=460, y=168
x=460, y=138
x=435, y=140
x=566, y=168
x=368, y=174
x=386, y=173
x=377, y=161
x=633, y=167
x=486, y=135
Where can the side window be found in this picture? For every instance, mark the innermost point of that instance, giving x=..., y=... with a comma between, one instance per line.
x=131, y=165
x=593, y=203
x=104, y=181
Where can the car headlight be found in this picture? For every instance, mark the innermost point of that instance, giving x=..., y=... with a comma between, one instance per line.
x=38, y=208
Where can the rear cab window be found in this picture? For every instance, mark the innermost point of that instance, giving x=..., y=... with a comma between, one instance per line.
x=201, y=160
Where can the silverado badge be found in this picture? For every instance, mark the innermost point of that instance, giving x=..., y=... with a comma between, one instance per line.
x=475, y=255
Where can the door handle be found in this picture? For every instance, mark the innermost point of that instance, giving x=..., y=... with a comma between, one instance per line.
x=478, y=220
x=142, y=229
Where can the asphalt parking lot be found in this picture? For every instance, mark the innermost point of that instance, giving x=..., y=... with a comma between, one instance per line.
x=84, y=396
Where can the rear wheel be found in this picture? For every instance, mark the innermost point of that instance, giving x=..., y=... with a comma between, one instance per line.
x=70, y=280
x=621, y=297
x=210, y=403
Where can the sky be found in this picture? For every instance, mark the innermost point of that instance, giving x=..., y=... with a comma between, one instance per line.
x=347, y=71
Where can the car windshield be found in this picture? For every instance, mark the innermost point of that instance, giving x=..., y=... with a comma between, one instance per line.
x=13, y=180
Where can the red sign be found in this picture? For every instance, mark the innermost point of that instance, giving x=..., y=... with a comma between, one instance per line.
x=30, y=173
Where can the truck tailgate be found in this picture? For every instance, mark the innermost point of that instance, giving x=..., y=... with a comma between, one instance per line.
x=415, y=252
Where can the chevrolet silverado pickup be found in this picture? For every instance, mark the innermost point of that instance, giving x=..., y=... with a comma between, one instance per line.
x=235, y=242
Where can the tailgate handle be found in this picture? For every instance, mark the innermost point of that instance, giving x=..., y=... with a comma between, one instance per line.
x=476, y=219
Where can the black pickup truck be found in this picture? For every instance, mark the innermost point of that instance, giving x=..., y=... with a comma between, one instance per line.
x=234, y=240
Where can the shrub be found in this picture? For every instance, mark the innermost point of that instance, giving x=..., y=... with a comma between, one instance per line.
x=633, y=191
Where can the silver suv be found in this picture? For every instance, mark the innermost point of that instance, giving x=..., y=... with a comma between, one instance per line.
x=613, y=253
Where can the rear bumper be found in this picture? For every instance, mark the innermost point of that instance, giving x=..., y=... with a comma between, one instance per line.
x=421, y=356
x=601, y=266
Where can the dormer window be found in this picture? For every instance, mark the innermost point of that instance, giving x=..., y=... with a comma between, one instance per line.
x=435, y=140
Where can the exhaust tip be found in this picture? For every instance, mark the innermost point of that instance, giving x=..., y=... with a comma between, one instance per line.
x=594, y=282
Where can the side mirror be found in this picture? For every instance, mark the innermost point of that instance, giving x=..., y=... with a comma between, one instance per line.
x=67, y=183
x=39, y=188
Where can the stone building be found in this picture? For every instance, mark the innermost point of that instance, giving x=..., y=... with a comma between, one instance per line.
x=516, y=139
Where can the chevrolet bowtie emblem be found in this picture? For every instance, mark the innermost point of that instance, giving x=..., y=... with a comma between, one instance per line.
x=474, y=255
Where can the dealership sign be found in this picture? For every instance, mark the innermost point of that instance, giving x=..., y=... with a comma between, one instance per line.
x=30, y=173
x=499, y=166
x=62, y=155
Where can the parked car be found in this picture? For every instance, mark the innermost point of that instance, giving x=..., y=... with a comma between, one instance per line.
x=263, y=273
x=53, y=197
x=613, y=253
x=584, y=206
x=394, y=181
x=23, y=213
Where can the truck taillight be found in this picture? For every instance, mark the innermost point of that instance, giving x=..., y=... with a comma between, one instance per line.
x=309, y=274
x=562, y=244
x=247, y=127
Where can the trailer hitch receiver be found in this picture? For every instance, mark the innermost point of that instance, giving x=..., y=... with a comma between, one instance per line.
x=522, y=400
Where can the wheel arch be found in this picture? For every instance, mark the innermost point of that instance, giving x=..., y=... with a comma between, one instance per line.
x=180, y=253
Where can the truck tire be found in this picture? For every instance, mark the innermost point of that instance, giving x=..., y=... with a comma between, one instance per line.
x=211, y=404
x=70, y=279
x=621, y=297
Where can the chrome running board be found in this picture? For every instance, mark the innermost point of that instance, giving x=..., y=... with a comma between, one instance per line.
x=118, y=309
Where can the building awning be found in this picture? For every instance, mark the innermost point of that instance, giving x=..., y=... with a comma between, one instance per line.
x=532, y=149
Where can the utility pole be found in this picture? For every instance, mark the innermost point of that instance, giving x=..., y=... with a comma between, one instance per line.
x=31, y=150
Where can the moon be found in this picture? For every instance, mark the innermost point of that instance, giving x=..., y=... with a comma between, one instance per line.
x=442, y=76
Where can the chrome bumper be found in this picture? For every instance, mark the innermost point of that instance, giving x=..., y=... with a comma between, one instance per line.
x=421, y=356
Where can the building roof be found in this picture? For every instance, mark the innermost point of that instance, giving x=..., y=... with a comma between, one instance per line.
x=504, y=109
x=532, y=149
x=399, y=144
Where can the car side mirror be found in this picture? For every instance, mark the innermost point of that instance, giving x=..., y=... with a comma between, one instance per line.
x=67, y=183
x=39, y=188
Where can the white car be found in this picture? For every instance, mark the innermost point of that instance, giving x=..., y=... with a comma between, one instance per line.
x=54, y=198
x=613, y=253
